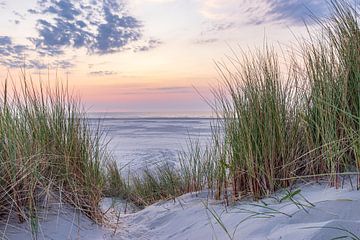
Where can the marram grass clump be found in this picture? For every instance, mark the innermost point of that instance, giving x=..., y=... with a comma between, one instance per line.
x=47, y=150
x=332, y=73
x=276, y=123
x=284, y=122
x=163, y=181
x=259, y=113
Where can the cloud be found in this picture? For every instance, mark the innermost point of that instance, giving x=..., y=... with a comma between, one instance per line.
x=216, y=27
x=115, y=33
x=33, y=11
x=160, y=90
x=154, y=1
x=150, y=44
x=222, y=26
x=5, y=40
x=175, y=89
x=16, y=56
x=102, y=73
x=12, y=55
x=21, y=16
x=101, y=27
x=35, y=64
x=295, y=11
x=64, y=64
x=205, y=41
x=263, y=11
x=92, y=65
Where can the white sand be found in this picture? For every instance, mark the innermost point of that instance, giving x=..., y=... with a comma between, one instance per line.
x=189, y=218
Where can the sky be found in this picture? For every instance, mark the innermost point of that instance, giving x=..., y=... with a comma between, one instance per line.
x=141, y=55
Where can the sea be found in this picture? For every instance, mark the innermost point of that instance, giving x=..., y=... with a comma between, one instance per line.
x=141, y=140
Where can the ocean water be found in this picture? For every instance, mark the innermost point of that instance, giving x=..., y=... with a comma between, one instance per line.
x=139, y=140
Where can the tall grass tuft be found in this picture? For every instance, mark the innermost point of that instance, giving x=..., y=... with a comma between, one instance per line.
x=275, y=129
x=47, y=151
x=164, y=181
x=276, y=122
x=259, y=114
x=197, y=167
x=332, y=71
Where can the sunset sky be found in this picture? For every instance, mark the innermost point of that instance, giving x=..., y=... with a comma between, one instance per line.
x=141, y=55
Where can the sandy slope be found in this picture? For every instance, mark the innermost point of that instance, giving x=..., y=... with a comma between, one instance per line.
x=188, y=218
x=193, y=217
x=59, y=223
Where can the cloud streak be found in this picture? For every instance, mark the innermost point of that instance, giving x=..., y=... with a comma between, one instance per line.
x=150, y=44
x=160, y=90
x=102, y=73
x=293, y=11
x=205, y=41
x=263, y=11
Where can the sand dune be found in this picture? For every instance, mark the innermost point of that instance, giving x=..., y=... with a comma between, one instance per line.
x=316, y=212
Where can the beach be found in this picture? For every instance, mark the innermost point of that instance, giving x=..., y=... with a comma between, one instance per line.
x=317, y=212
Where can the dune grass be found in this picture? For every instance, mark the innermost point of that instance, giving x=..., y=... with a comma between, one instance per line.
x=332, y=70
x=281, y=125
x=47, y=152
x=163, y=181
x=276, y=122
x=259, y=113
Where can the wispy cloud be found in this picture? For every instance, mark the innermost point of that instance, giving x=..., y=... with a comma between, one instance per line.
x=150, y=44
x=92, y=65
x=262, y=11
x=141, y=3
x=293, y=11
x=102, y=73
x=64, y=64
x=218, y=9
x=176, y=89
x=205, y=41
x=214, y=27
x=158, y=1
x=222, y=26
x=160, y=90
x=2, y=4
